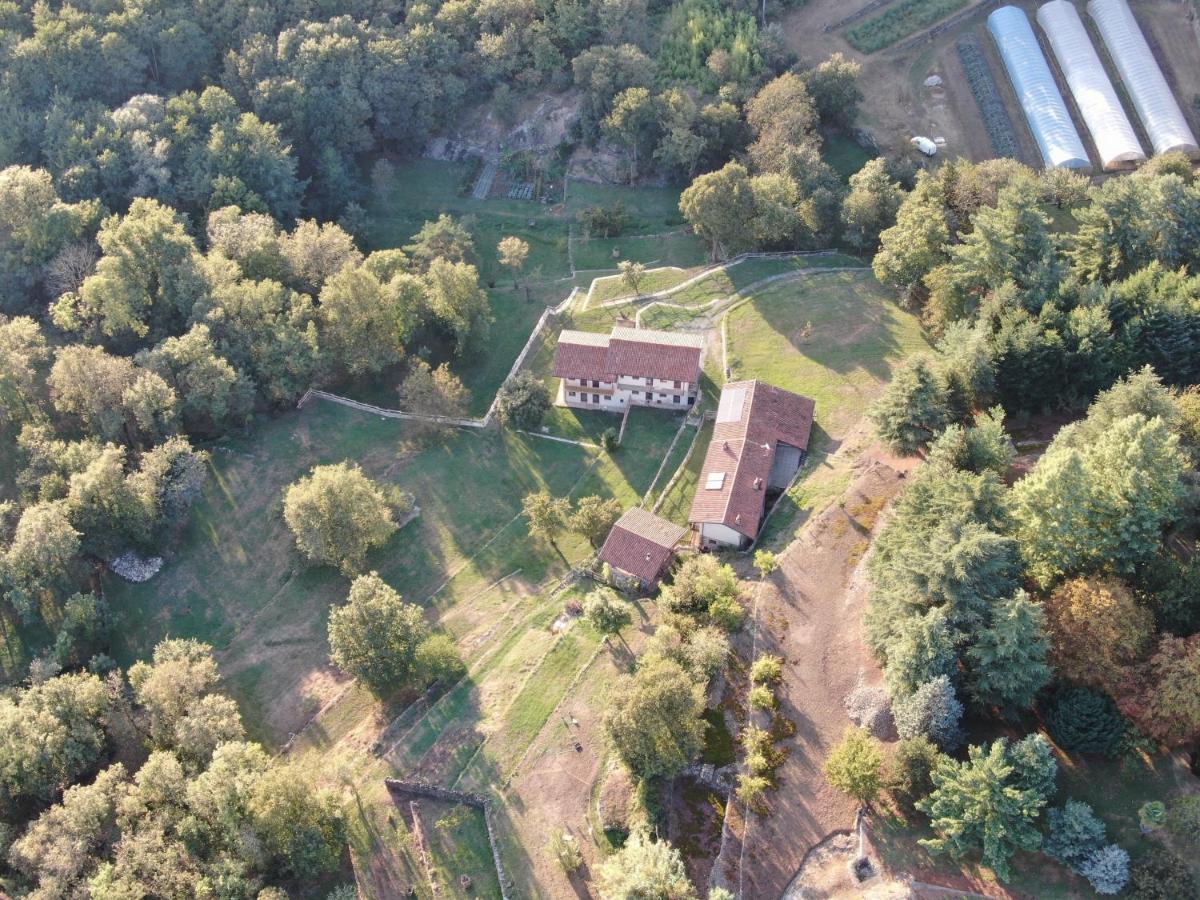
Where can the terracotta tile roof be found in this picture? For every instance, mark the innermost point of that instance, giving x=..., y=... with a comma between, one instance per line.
x=641, y=544
x=752, y=418
x=669, y=355
x=635, y=352
x=581, y=354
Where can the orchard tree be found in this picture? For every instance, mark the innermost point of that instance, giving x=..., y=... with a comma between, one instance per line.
x=512, y=252
x=547, y=516
x=633, y=274
x=607, y=612
x=523, y=402
x=913, y=410
x=645, y=868
x=653, y=719
x=376, y=636
x=855, y=766
x=338, y=515
x=593, y=518
x=458, y=304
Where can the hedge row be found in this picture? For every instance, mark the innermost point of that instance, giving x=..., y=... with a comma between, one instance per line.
x=987, y=96
x=899, y=22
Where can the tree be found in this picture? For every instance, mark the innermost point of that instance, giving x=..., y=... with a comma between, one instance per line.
x=1083, y=720
x=315, y=253
x=653, y=719
x=912, y=764
x=765, y=562
x=932, y=711
x=633, y=122
x=446, y=239
x=1104, y=504
x=719, y=206
x=782, y=116
x=913, y=409
x=980, y=804
x=89, y=385
x=457, y=302
x=632, y=276
x=358, y=321
x=922, y=647
x=855, y=766
x=607, y=612
x=522, y=402
x=1161, y=875
x=22, y=351
x=1160, y=696
x=698, y=583
x=338, y=515
x=436, y=392
x=1008, y=659
x=376, y=636
x=1107, y=869
x=1097, y=631
x=513, y=252
x=182, y=672
x=871, y=205
x=50, y=734
x=833, y=86
x=547, y=515
x=37, y=559
x=1074, y=834
x=299, y=823
x=213, y=395
x=984, y=446
x=594, y=517
x=645, y=868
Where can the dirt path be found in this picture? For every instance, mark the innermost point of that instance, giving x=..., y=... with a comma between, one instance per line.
x=810, y=613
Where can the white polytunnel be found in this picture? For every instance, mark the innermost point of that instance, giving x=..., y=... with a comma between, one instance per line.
x=1148, y=89
x=1116, y=141
x=1045, y=110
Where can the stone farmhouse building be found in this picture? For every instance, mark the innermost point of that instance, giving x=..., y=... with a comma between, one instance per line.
x=640, y=548
x=630, y=367
x=759, y=442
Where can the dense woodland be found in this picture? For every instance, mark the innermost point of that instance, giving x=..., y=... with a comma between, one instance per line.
x=182, y=198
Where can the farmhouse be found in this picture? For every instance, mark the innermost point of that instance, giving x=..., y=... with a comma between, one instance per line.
x=630, y=367
x=640, y=548
x=758, y=444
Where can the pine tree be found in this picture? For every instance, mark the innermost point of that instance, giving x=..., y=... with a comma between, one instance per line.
x=913, y=410
x=1008, y=658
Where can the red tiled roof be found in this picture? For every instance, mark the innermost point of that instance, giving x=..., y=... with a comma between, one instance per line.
x=752, y=418
x=641, y=544
x=581, y=355
x=637, y=353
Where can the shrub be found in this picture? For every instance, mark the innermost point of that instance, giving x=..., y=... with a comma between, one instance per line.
x=933, y=711
x=523, y=402
x=1183, y=818
x=914, y=760
x=608, y=440
x=755, y=740
x=1107, y=870
x=565, y=850
x=766, y=670
x=1161, y=875
x=762, y=697
x=855, y=766
x=1075, y=834
x=1152, y=815
x=1083, y=720
x=727, y=613
x=750, y=789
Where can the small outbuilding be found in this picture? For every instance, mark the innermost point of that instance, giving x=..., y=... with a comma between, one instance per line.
x=640, y=548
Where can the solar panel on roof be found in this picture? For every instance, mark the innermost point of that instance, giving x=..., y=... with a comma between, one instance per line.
x=730, y=407
x=716, y=481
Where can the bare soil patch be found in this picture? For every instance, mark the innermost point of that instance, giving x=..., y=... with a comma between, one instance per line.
x=809, y=612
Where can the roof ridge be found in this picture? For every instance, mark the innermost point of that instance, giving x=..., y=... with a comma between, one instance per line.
x=746, y=415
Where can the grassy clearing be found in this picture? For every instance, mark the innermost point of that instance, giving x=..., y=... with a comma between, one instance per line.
x=678, y=248
x=610, y=287
x=678, y=502
x=459, y=846
x=844, y=155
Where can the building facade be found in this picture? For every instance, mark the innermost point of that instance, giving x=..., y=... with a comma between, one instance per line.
x=630, y=367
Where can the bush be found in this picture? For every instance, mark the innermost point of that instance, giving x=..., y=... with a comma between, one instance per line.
x=750, y=789
x=933, y=712
x=608, y=440
x=727, y=613
x=1083, y=720
x=766, y=670
x=523, y=402
x=1107, y=870
x=762, y=697
x=565, y=850
x=855, y=766
x=1075, y=834
x=914, y=760
x=1183, y=818
x=1161, y=875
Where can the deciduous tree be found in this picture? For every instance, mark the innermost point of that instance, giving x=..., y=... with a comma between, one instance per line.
x=338, y=515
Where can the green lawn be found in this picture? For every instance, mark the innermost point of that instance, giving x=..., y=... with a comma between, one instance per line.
x=610, y=287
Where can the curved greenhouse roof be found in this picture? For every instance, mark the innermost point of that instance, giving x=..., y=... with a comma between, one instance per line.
x=1115, y=139
x=1152, y=98
x=1034, y=83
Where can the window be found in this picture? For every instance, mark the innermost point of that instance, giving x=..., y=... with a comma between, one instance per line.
x=595, y=398
x=595, y=383
x=678, y=385
x=649, y=395
x=570, y=393
x=676, y=399
x=715, y=481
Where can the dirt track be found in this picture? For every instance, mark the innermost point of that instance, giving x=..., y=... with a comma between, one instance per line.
x=810, y=613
